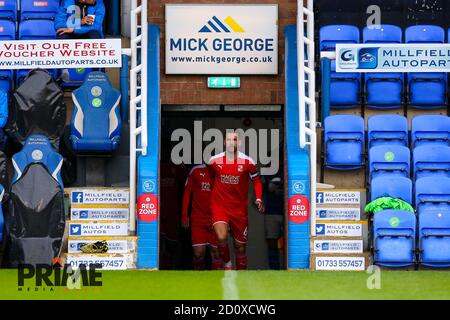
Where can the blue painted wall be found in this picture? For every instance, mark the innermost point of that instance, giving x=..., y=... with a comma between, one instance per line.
x=148, y=179
x=297, y=159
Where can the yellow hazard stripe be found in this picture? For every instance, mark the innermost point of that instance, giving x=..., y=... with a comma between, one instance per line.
x=100, y=206
x=107, y=238
x=233, y=24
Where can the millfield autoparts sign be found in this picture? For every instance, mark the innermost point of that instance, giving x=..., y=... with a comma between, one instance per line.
x=221, y=39
x=60, y=54
x=393, y=57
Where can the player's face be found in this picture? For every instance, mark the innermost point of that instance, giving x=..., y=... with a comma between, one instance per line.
x=231, y=142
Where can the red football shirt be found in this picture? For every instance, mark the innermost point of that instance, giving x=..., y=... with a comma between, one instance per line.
x=199, y=185
x=230, y=191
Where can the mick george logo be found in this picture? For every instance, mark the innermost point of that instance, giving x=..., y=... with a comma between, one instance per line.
x=228, y=25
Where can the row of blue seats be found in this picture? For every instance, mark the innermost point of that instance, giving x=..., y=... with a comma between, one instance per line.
x=385, y=90
x=402, y=187
x=429, y=160
x=29, y=9
x=28, y=30
x=344, y=141
x=401, y=239
x=393, y=129
x=33, y=30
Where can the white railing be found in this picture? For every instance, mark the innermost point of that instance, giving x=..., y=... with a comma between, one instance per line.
x=307, y=98
x=138, y=95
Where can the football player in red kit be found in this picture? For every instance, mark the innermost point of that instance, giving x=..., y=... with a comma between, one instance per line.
x=232, y=171
x=198, y=185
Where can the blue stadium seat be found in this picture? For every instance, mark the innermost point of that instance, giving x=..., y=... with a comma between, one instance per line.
x=36, y=30
x=2, y=219
x=383, y=90
x=434, y=239
x=8, y=10
x=344, y=142
x=387, y=129
x=432, y=195
x=96, y=124
x=394, y=238
x=388, y=186
x=345, y=87
x=76, y=77
x=431, y=161
x=43, y=9
x=389, y=160
x=426, y=90
x=37, y=149
x=7, y=32
x=430, y=129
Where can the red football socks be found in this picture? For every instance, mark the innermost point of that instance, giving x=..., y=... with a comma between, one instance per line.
x=199, y=263
x=217, y=265
x=224, y=252
x=241, y=261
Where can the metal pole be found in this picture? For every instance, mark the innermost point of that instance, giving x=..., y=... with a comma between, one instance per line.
x=326, y=83
x=124, y=82
x=114, y=17
x=301, y=74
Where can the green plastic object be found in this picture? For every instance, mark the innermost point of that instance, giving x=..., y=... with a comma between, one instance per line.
x=384, y=203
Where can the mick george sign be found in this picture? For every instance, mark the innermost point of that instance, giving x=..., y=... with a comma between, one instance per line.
x=60, y=54
x=393, y=57
x=221, y=39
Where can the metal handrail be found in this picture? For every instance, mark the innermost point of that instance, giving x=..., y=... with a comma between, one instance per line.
x=307, y=100
x=138, y=97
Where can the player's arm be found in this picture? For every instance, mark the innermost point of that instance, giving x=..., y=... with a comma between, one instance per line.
x=186, y=201
x=257, y=187
x=210, y=167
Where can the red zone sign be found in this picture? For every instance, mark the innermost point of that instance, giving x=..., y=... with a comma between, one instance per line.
x=298, y=209
x=147, y=207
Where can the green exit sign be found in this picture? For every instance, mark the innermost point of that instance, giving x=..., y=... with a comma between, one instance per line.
x=224, y=82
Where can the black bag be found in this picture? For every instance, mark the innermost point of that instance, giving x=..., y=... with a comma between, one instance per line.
x=39, y=108
x=35, y=219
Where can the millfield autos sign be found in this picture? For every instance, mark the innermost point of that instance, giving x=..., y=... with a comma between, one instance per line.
x=221, y=39
x=393, y=57
x=60, y=54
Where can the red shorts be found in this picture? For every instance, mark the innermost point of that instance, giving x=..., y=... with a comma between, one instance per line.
x=237, y=223
x=203, y=234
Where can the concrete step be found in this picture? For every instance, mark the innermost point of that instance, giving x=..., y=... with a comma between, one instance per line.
x=341, y=198
x=99, y=214
x=335, y=212
x=98, y=228
x=332, y=229
x=121, y=245
x=344, y=228
x=337, y=245
x=98, y=197
x=340, y=262
x=108, y=261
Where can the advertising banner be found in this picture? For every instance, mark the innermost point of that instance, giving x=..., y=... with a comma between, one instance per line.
x=393, y=57
x=60, y=54
x=221, y=39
